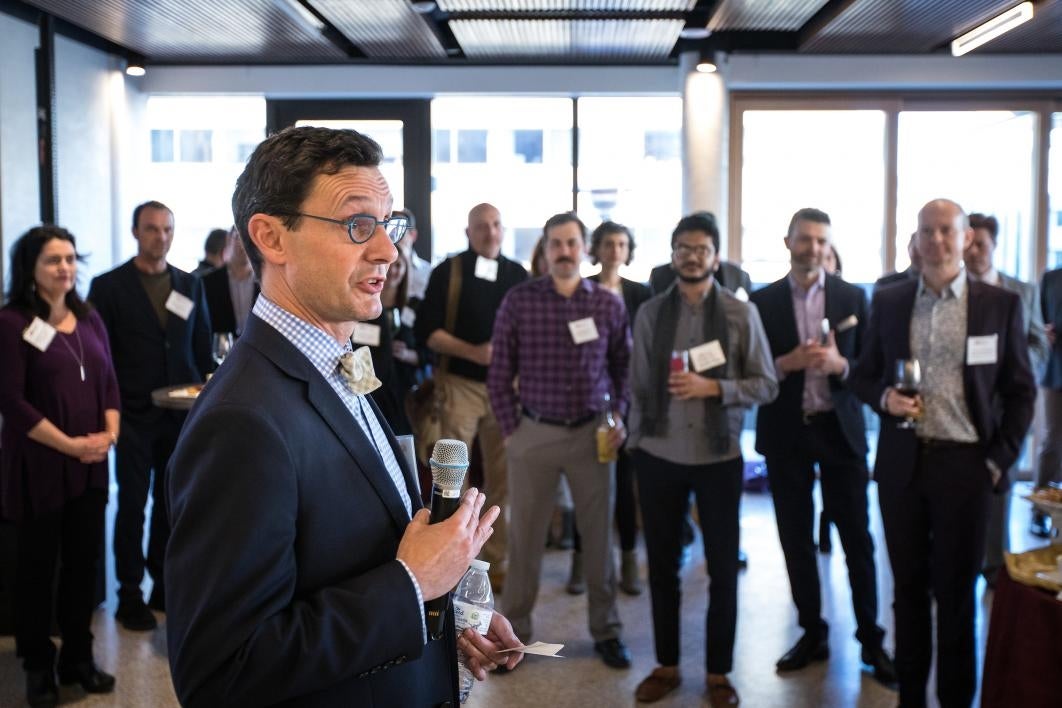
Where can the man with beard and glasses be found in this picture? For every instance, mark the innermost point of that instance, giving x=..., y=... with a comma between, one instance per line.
x=569, y=342
x=814, y=323
x=685, y=437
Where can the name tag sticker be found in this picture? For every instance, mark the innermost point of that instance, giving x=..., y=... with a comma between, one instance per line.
x=740, y=294
x=486, y=268
x=409, y=316
x=981, y=350
x=583, y=330
x=707, y=356
x=39, y=333
x=365, y=333
x=179, y=305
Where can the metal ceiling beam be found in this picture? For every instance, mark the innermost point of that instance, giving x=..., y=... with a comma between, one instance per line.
x=821, y=20
x=498, y=15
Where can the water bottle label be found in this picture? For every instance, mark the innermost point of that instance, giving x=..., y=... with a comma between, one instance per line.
x=468, y=615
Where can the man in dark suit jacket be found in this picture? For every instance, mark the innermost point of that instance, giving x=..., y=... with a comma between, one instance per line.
x=729, y=275
x=1050, y=457
x=935, y=481
x=910, y=273
x=159, y=328
x=814, y=323
x=231, y=289
x=300, y=553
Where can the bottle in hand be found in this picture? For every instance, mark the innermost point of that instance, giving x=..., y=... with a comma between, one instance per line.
x=473, y=607
x=605, y=452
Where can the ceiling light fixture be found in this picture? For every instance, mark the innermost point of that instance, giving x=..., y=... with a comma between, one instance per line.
x=695, y=33
x=134, y=66
x=706, y=66
x=299, y=13
x=423, y=7
x=986, y=32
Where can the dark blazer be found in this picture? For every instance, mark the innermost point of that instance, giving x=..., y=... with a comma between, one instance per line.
x=219, y=299
x=634, y=295
x=282, y=586
x=892, y=278
x=146, y=356
x=999, y=396
x=1051, y=304
x=729, y=275
x=778, y=423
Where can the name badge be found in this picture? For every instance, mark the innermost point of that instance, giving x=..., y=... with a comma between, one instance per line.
x=583, y=330
x=981, y=350
x=409, y=316
x=39, y=334
x=179, y=305
x=486, y=268
x=707, y=356
x=365, y=333
x=741, y=294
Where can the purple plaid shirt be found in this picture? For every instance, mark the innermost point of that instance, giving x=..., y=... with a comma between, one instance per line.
x=558, y=378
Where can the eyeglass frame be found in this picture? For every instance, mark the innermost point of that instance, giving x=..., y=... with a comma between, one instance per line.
x=686, y=249
x=349, y=223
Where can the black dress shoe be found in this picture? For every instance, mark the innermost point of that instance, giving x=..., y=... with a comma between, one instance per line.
x=41, y=691
x=808, y=648
x=88, y=675
x=614, y=653
x=135, y=615
x=157, y=599
x=881, y=662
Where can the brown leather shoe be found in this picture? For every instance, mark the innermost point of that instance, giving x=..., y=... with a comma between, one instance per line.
x=721, y=695
x=656, y=685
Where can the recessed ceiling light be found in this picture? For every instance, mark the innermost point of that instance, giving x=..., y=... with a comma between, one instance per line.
x=695, y=33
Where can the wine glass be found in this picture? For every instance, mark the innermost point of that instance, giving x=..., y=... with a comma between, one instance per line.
x=222, y=346
x=908, y=382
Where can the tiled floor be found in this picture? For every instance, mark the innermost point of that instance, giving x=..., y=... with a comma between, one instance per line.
x=766, y=629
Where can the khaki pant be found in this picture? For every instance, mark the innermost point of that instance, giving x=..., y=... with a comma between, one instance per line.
x=466, y=413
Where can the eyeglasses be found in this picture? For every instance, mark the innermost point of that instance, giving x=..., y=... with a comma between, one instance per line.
x=684, y=250
x=361, y=227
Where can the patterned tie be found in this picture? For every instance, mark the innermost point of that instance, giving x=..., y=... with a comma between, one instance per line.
x=356, y=369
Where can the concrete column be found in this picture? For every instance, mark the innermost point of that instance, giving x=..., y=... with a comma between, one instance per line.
x=705, y=127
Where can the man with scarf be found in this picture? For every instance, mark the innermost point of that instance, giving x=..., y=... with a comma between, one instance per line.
x=685, y=428
x=815, y=323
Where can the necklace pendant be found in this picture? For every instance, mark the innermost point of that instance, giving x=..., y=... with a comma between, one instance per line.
x=82, y=367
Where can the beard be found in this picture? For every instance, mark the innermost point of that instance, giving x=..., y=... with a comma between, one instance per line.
x=698, y=278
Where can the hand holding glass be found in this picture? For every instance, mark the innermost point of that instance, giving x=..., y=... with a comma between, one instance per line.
x=908, y=382
x=222, y=346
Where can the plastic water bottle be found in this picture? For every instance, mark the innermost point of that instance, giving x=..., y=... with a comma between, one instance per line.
x=473, y=607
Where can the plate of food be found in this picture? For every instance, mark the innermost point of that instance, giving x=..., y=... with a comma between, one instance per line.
x=1047, y=498
x=190, y=392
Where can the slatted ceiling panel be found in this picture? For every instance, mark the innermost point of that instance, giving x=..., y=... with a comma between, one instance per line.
x=902, y=26
x=1043, y=33
x=192, y=30
x=384, y=29
x=565, y=5
x=785, y=15
x=614, y=40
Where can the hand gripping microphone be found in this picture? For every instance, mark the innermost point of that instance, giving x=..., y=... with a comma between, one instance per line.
x=449, y=464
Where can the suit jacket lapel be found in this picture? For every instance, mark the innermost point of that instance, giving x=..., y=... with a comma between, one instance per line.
x=902, y=332
x=410, y=476
x=790, y=334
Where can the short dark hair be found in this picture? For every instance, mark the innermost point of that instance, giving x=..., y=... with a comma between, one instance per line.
x=281, y=170
x=698, y=221
x=988, y=223
x=215, y=241
x=22, y=293
x=410, y=217
x=152, y=204
x=607, y=228
x=565, y=217
x=817, y=216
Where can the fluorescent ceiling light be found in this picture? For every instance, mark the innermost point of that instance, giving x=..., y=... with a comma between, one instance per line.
x=998, y=25
x=298, y=12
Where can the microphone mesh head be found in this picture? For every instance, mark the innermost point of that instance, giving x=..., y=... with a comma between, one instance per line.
x=449, y=464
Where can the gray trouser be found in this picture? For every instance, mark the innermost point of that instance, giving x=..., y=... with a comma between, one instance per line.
x=1050, y=469
x=538, y=454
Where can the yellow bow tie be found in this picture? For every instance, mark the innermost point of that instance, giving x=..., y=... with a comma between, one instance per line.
x=356, y=368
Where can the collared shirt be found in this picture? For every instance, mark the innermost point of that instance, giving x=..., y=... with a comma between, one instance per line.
x=809, y=309
x=242, y=294
x=750, y=380
x=938, y=342
x=558, y=378
x=324, y=352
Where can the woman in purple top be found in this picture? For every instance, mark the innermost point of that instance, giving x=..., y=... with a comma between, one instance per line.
x=59, y=402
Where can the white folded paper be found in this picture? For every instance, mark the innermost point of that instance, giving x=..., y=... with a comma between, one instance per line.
x=540, y=648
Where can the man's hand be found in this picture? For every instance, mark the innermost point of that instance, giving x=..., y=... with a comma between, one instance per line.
x=617, y=435
x=827, y=359
x=799, y=358
x=439, y=554
x=902, y=406
x=482, y=650
x=684, y=385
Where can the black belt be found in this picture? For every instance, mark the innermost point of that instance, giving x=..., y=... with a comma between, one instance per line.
x=560, y=422
x=809, y=417
x=938, y=444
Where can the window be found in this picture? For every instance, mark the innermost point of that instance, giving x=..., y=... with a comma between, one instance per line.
x=662, y=145
x=441, y=145
x=528, y=144
x=471, y=146
x=162, y=146
x=196, y=146
x=1054, y=191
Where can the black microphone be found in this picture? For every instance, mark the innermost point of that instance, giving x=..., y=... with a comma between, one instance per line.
x=449, y=464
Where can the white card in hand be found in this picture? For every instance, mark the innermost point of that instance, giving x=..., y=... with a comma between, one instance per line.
x=365, y=333
x=583, y=330
x=39, y=333
x=179, y=304
x=539, y=648
x=981, y=350
x=707, y=356
x=486, y=268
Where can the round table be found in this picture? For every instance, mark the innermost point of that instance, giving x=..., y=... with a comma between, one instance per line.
x=161, y=397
